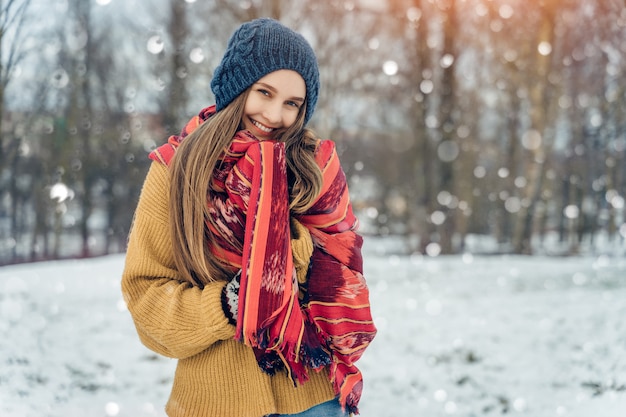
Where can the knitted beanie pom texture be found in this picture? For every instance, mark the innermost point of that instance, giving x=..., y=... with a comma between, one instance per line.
x=258, y=48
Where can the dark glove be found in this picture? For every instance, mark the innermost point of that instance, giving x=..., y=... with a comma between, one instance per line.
x=230, y=298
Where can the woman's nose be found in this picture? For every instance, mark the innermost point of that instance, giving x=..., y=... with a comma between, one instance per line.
x=273, y=113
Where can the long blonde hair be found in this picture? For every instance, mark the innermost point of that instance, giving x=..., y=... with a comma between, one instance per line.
x=191, y=173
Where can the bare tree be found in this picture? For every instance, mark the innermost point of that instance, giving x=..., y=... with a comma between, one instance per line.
x=448, y=148
x=174, y=109
x=537, y=135
x=13, y=19
x=420, y=193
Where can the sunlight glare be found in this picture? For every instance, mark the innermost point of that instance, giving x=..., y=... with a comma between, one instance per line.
x=513, y=205
x=427, y=86
x=444, y=198
x=480, y=172
x=446, y=61
x=531, y=140
x=571, y=212
x=438, y=218
x=448, y=151
x=61, y=192
x=155, y=45
x=433, y=250
x=414, y=14
x=506, y=11
x=520, y=182
x=565, y=102
x=196, y=55
x=440, y=395
x=616, y=200
x=112, y=409
x=519, y=404
x=390, y=67
x=544, y=48
x=481, y=10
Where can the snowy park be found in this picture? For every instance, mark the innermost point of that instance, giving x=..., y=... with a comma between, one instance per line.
x=462, y=335
x=459, y=124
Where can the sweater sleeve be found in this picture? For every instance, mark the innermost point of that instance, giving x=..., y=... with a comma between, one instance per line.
x=172, y=317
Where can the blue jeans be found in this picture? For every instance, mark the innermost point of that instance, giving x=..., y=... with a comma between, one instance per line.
x=331, y=408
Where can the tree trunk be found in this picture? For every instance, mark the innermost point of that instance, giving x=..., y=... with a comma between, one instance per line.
x=424, y=200
x=522, y=240
x=448, y=126
x=174, y=109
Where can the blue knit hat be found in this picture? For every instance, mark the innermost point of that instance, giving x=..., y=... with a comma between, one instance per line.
x=258, y=48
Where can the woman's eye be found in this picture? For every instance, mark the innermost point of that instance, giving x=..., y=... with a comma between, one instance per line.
x=293, y=104
x=264, y=92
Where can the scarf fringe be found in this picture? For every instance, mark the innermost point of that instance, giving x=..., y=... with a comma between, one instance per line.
x=310, y=355
x=269, y=362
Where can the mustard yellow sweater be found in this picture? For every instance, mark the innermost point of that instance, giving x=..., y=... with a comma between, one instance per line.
x=216, y=376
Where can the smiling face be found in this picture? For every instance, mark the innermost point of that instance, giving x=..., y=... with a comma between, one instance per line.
x=273, y=103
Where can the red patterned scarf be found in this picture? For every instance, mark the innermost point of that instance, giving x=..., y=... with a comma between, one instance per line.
x=249, y=198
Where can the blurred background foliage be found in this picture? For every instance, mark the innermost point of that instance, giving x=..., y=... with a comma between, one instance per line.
x=485, y=126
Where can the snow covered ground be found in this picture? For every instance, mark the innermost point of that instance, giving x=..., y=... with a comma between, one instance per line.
x=458, y=336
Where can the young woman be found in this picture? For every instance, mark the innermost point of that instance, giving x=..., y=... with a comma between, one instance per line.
x=243, y=261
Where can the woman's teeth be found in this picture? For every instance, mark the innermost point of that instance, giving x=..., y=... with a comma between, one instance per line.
x=261, y=127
